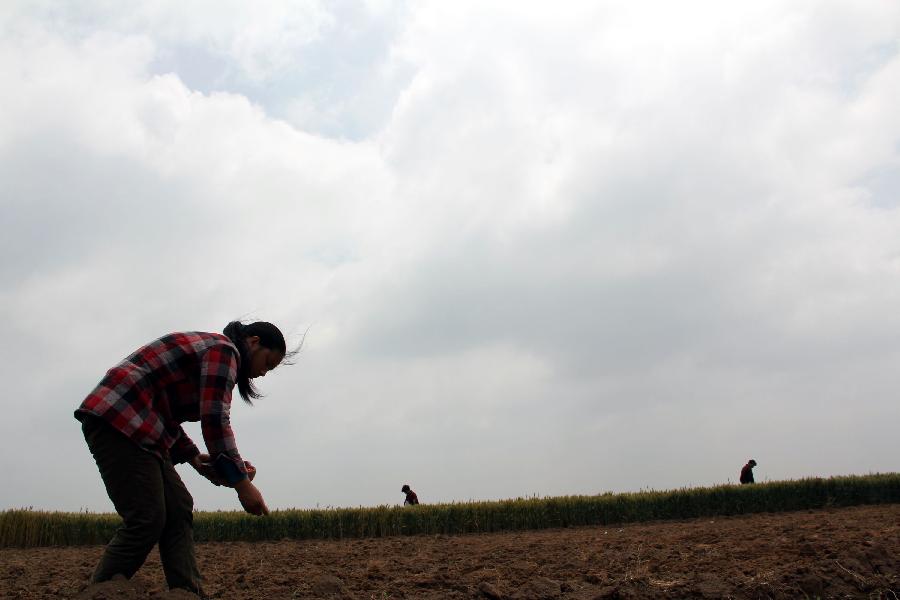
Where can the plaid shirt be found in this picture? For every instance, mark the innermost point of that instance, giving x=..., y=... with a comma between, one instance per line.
x=179, y=377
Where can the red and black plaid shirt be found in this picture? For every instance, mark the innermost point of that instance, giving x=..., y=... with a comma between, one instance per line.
x=179, y=377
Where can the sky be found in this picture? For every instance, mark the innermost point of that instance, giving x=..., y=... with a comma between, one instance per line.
x=530, y=248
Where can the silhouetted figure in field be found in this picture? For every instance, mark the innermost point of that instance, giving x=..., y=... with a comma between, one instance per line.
x=411, y=497
x=747, y=472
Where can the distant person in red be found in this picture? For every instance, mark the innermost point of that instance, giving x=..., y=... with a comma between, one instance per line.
x=747, y=472
x=411, y=497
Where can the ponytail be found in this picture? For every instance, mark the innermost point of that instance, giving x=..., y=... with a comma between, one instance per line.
x=269, y=337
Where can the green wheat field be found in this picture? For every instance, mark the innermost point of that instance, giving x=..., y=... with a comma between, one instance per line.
x=30, y=528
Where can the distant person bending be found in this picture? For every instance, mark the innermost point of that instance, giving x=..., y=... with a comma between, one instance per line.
x=411, y=497
x=747, y=472
x=132, y=424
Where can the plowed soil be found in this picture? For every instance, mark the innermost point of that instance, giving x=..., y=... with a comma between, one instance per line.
x=839, y=553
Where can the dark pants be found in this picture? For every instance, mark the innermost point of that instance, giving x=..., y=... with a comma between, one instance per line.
x=152, y=500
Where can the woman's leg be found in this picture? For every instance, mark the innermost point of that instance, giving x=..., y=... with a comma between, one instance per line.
x=176, y=545
x=135, y=484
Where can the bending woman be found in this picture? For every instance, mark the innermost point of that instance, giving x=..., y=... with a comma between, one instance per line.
x=132, y=425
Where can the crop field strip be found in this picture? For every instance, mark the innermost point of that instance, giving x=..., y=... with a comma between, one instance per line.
x=31, y=528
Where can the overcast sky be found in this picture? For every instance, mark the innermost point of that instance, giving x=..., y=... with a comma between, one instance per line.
x=539, y=247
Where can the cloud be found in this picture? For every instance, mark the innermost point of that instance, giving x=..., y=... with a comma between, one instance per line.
x=642, y=242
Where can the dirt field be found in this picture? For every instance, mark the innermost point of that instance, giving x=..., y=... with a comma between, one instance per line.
x=841, y=553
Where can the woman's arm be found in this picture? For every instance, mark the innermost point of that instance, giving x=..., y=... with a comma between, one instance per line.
x=218, y=374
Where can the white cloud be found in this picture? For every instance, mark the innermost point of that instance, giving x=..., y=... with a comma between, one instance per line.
x=610, y=237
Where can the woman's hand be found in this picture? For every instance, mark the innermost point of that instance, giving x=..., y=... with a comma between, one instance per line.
x=202, y=465
x=251, y=470
x=250, y=497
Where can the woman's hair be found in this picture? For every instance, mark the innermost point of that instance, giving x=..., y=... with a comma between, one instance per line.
x=269, y=337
